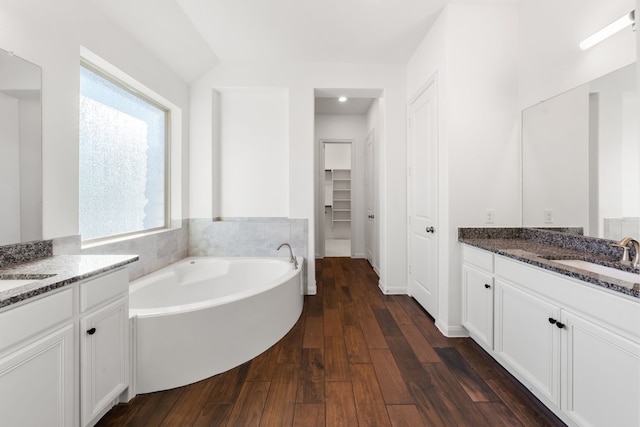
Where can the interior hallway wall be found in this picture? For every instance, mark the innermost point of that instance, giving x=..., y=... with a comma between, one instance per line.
x=471, y=51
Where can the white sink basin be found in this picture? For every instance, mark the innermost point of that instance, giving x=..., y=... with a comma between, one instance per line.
x=6, y=285
x=601, y=269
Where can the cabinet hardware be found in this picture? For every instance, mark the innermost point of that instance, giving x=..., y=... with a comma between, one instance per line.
x=560, y=325
x=552, y=320
x=91, y=331
x=487, y=286
x=430, y=230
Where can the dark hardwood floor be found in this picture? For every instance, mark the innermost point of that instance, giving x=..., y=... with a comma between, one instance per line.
x=355, y=358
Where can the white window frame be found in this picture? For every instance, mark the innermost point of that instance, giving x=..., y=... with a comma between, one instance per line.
x=173, y=145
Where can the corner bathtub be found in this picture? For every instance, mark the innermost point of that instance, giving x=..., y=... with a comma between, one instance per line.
x=205, y=315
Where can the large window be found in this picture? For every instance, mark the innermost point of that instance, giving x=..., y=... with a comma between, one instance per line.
x=123, y=159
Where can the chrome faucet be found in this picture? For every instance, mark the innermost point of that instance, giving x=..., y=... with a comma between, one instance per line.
x=625, y=251
x=292, y=259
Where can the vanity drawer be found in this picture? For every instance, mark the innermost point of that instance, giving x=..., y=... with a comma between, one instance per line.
x=22, y=322
x=104, y=288
x=478, y=258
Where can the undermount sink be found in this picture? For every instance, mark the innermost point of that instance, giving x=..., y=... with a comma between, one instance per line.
x=601, y=269
x=11, y=281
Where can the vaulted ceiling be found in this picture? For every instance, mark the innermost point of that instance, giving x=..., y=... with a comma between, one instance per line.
x=191, y=36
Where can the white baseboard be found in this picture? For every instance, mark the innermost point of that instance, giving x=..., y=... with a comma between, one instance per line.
x=457, y=331
x=312, y=289
x=391, y=290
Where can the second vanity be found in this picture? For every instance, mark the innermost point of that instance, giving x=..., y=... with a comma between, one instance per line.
x=569, y=335
x=64, y=339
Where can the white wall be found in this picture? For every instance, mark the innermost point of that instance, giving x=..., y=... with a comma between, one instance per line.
x=254, y=155
x=301, y=80
x=50, y=34
x=472, y=50
x=336, y=156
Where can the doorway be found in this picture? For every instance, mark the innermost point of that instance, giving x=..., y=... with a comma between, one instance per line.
x=337, y=198
x=348, y=121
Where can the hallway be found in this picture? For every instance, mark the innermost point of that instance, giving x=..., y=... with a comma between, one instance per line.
x=355, y=357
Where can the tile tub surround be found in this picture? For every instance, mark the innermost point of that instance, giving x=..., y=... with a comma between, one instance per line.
x=250, y=237
x=538, y=247
x=25, y=252
x=155, y=249
x=65, y=270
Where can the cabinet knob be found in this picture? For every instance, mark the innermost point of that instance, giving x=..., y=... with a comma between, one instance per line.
x=91, y=331
x=552, y=320
x=560, y=325
x=486, y=285
x=430, y=230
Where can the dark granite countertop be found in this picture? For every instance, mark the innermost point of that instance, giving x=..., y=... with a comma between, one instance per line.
x=540, y=250
x=63, y=270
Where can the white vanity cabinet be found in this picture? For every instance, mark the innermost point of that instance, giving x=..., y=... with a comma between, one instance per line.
x=477, y=295
x=44, y=381
x=36, y=362
x=576, y=346
x=104, y=344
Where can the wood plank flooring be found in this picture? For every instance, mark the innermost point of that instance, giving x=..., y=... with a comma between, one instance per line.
x=355, y=358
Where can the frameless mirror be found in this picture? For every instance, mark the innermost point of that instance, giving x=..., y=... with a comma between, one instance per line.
x=20, y=150
x=581, y=158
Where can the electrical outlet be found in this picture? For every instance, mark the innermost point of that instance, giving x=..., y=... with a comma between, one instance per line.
x=548, y=216
x=488, y=216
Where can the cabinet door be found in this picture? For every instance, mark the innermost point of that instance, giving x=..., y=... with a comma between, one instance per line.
x=477, y=305
x=104, y=357
x=527, y=341
x=36, y=382
x=601, y=375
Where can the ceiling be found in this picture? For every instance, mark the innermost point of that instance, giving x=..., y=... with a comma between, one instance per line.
x=192, y=36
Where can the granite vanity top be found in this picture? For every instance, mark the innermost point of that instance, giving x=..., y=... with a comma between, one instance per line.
x=64, y=270
x=541, y=249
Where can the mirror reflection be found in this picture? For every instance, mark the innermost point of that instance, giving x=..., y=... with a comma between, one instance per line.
x=20, y=150
x=581, y=158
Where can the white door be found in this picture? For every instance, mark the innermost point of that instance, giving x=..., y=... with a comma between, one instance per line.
x=423, y=197
x=369, y=201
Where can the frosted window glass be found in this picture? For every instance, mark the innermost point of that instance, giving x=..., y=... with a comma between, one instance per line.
x=122, y=160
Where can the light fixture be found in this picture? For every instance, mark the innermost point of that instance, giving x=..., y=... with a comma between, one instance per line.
x=618, y=25
x=342, y=99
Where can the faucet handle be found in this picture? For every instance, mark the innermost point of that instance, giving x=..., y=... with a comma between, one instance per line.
x=625, y=249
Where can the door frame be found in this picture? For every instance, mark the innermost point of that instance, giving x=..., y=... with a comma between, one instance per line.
x=320, y=197
x=372, y=182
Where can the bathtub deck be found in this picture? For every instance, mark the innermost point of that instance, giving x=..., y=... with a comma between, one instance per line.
x=355, y=357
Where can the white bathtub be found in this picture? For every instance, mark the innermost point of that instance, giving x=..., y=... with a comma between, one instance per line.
x=205, y=315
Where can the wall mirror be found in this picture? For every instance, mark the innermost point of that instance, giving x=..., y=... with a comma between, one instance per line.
x=581, y=158
x=20, y=150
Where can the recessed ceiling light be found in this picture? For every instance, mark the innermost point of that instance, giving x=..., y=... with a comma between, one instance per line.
x=342, y=99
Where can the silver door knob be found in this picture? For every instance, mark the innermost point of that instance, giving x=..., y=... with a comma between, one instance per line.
x=430, y=230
